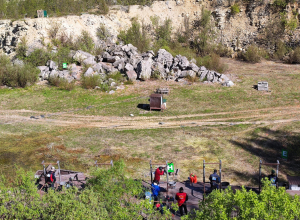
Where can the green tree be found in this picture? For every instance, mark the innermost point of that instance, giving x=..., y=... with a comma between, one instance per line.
x=271, y=203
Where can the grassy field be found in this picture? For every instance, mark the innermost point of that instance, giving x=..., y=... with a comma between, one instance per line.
x=239, y=146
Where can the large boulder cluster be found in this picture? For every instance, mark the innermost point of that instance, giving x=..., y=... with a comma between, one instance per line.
x=137, y=66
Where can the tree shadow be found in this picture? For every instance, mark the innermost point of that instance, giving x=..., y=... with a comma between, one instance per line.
x=268, y=144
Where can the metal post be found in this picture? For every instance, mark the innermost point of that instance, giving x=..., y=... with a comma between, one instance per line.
x=259, y=177
x=96, y=164
x=151, y=172
x=220, y=165
x=277, y=173
x=44, y=170
x=111, y=163
x=59, y=172
x=167, y=177
x=203, y=180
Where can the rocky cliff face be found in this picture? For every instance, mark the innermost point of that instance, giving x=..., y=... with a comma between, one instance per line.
x=235, y=31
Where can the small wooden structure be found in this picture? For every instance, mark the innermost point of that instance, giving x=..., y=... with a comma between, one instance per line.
x=262, y=86
x=294, y=182
x=157, y=102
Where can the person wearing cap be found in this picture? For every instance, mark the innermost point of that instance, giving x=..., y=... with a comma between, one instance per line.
x=214, y=180
x=273, y=178
x=50, y=177
x=158, y=172
x=181, y=198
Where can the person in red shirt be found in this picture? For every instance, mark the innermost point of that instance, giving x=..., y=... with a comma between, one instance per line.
x=159, y=171
x=182, y=197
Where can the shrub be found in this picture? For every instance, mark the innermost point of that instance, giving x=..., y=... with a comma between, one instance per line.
x=163, y=34
x=294, y=56
x=252, y=54
x=136, y=35
x=62, y=83
x=155, y=75
x=22, y=48
x=117, y=77
x=16, y=76
x=102, y=32
x=201, y=42
x=53, y=30
x=90, y=82
x=38, y=57
x=84, y=42
x=212, y=62
x=281, y=50
x=235, y=9
x=192, y=79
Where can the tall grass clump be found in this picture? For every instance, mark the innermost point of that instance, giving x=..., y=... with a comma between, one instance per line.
x=62, y=83
x=90, y=82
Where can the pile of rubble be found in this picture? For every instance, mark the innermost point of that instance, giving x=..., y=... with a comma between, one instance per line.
x=126, y=60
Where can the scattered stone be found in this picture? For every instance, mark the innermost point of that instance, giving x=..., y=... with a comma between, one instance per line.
x=131, y=115
x=228, y=84
x=111, y=92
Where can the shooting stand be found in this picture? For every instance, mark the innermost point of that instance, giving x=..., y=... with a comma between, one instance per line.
x=268, y=164
x=163, y=166
x=220, y=171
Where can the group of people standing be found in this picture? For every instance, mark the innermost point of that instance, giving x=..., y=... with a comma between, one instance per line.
x=181, y=196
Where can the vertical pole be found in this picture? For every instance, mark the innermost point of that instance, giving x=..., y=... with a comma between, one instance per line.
x=111, y=163
x=96, y=163
x=220, y=165
x=167, y=177
x=44, y=168
x=259, y=182
x=59, y=172
x=151, y=172
x=203, y=180
x=277, y=173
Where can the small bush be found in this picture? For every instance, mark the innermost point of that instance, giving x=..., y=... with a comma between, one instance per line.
x=235, y=9
x=38, y=57
x=84, y=42
x=212, y=62
x=281, y=50
x=62, y=83
x=136, y=35
x=90, y=82
x=117, y=77
x=128, y=82
x=294, y=56
x=16, y=76
x=192, y=79
x=102, y=32
x=252, y=54
x=155, y=75
x=22, y=48
x=54, y=29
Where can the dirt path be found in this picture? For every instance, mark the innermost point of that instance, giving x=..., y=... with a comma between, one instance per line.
x=260, y=116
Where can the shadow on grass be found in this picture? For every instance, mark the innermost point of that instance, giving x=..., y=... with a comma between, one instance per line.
x=144, y=106
x=268, y=144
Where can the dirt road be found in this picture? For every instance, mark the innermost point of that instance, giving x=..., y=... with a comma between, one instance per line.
x=259, y=116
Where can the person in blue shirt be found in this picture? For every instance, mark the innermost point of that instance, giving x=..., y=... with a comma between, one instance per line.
x=214, y=180
x=155, y=190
